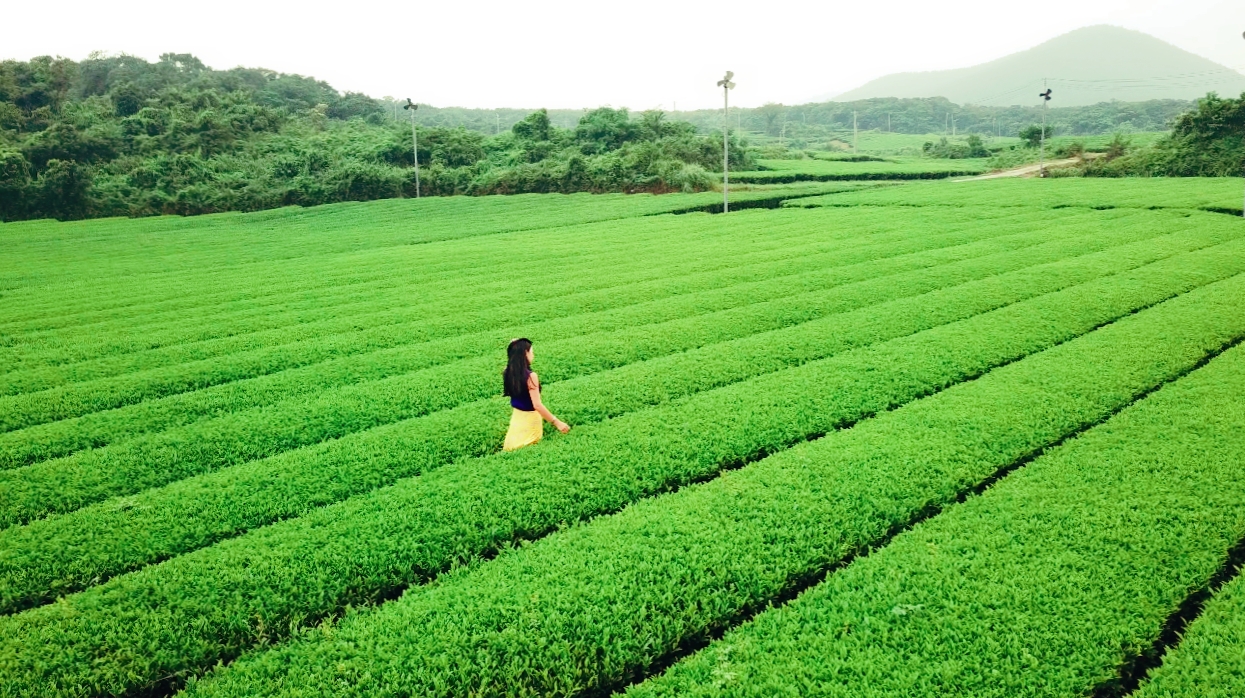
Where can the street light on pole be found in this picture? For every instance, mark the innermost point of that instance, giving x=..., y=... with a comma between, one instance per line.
x=1042, y=157
x=412, y=107
x=726, y=85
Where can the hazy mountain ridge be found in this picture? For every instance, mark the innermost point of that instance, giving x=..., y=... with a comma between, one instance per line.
x=1086, y=66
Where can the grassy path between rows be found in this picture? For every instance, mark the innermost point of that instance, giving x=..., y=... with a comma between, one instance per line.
x=179, y=617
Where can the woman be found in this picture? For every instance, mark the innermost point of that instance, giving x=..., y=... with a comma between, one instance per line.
x=523, y=388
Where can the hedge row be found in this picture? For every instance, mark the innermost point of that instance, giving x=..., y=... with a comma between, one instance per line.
x=214, y=258
x=183, y=615
x=591, y=609
x=1209, y=662
x=408, y=275
x=433, y=310
x=1053, y=583
x=371, y=354
x=66, y=553
x=61, y=485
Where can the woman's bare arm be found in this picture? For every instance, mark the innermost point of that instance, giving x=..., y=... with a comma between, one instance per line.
x=533, y=389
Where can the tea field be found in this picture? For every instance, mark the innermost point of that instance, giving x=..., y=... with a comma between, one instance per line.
x=890, y=168
x=865, y=439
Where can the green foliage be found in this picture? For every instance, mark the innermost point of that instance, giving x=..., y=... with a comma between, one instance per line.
x=973, y=147
x=1050, y=583
x=599, y=604
x=582, y=342
x=253, y=423
x=1207, y=662
x=858, y=168
x=1033, y=134
x=1190, y=193
x=178, y=137
x=813, y=376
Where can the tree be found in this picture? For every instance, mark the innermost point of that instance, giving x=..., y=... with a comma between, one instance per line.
x=773, y=116
x=127, y=99
x=1032, y=135
x=60, y=190
x=534, y=127
x=604, y=129
x=14, y=178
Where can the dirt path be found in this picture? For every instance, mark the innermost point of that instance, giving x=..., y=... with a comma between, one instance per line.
x=1026, y=171
x=1031, y=169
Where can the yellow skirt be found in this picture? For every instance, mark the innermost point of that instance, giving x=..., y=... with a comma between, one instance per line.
x=526, y=428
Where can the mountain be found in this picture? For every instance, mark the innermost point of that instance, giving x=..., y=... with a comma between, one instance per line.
x=1085, y=66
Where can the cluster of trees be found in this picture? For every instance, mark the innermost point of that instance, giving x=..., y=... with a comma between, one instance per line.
x=118, y=135
x=972, y=147
x=1207, y=141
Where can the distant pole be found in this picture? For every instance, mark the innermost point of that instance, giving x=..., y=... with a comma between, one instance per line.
x=726, y=85
x=888, y=123
x=413, y=107
x=946, y=124
x=1042, y=156
x=855, y=133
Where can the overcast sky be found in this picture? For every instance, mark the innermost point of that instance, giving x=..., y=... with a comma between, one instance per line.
x=639, y=54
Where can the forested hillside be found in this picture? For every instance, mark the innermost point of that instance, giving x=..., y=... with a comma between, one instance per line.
x=117, y=135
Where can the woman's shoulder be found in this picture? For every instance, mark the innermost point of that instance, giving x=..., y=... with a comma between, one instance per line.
x=533, y=378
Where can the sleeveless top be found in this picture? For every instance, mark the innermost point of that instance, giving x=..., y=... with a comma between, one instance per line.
x=523, y=402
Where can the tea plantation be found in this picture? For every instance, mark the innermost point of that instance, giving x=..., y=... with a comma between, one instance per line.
x=934, y=438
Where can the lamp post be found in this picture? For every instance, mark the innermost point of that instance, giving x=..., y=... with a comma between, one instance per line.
x=1042, y=156
x=726, y=85
x=412, y=107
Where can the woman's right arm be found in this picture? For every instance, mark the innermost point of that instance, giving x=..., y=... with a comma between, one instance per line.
x=533, y=389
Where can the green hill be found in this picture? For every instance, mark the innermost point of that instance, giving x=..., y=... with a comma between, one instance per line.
x=1086, y=66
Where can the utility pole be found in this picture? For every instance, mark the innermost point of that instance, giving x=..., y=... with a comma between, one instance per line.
x=1042, y=156
x=413, y=107
x=726, y=85
x=855, y=133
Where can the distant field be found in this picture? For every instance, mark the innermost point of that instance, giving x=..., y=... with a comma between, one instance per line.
x=259, y=454
x=1212, y=194
x=896, y=168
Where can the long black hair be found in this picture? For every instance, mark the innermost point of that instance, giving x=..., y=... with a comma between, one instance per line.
x=514, y=378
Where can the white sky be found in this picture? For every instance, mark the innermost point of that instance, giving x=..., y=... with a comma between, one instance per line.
x=639, y=54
